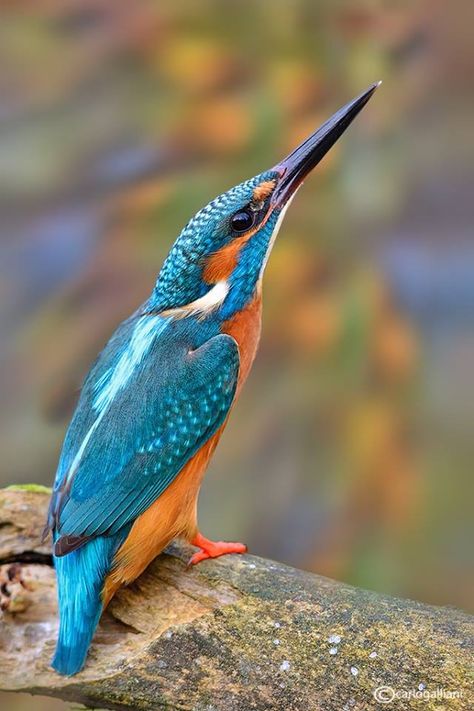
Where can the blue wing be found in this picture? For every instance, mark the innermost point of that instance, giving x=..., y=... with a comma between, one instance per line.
x=136, y=427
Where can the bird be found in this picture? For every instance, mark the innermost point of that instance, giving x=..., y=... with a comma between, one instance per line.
x=157, y=399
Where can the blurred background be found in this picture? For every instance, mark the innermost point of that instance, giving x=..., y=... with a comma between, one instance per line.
x=351, y=450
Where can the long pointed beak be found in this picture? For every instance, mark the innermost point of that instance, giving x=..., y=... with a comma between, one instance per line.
x=295, y=167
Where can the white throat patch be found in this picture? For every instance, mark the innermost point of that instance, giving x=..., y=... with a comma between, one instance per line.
x=204, y=305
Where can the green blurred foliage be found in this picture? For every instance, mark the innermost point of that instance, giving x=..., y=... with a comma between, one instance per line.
x=349, y=453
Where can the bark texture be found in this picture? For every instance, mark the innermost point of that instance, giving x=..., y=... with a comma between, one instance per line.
x=233, y=634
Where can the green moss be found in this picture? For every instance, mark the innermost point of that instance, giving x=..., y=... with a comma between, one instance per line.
x=35, y=488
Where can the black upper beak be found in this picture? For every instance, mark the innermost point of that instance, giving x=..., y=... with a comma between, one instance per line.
x=295, y=167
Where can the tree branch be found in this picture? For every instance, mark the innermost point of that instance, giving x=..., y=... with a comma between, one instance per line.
x=236, y=633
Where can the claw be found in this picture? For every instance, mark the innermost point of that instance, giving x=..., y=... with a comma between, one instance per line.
x=213, y=549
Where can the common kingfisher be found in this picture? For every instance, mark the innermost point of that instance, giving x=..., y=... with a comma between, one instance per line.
x=156, y=401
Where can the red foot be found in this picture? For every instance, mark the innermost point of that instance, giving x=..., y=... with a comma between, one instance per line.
x=213, y=549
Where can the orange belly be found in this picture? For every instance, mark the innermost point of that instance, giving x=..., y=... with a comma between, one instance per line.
x=174, y=513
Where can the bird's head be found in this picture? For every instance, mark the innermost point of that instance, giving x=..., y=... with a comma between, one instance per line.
x=218, y=260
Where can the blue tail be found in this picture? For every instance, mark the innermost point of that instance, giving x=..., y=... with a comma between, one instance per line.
x=80, y=576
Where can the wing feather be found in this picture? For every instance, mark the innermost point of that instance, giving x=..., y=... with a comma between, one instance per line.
x=153, y=428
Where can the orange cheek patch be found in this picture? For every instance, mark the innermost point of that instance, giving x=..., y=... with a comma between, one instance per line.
x=221, y=264
x=263, y=190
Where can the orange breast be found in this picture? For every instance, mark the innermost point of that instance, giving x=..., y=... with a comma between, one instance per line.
x=246, y=327
x=173, y=514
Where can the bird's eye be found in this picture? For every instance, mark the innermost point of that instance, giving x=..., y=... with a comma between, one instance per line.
x=242, y=221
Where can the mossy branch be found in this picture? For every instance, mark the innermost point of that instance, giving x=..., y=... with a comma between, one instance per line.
x=236, y=633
